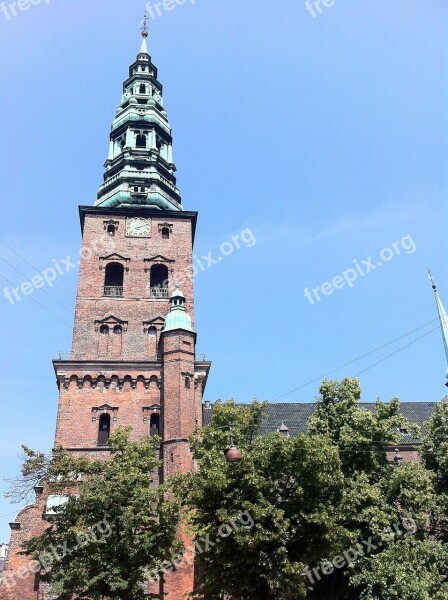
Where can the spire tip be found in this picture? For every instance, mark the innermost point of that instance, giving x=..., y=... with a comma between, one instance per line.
x=433, y=285
x=144, y=27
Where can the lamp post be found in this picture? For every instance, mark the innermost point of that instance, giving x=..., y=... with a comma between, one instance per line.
x=233, y=454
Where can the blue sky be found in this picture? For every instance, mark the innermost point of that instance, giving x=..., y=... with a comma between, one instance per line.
x=326, y=136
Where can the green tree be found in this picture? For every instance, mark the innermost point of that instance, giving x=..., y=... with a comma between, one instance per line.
x=378, y=496
x=435, y=445
x=114, y=526
x=409, y=569
x=362, y=436
x=312, y=498
x=435, y=456
x=289, y=487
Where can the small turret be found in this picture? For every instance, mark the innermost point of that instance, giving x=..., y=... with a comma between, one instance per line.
x=178, y=318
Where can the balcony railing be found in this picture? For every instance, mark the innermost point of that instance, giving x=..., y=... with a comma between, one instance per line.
x=159, y=292
x=115, y=291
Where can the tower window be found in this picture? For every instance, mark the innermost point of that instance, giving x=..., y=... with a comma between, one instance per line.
x=159, y=281
x=142, y=88
x=111, y=229
x=165, y=233
x=113, y=281
x=152, y=331
x=154, y=428
x=118, y=330
x=141, y=141
x=104, y=430
x=104, y=329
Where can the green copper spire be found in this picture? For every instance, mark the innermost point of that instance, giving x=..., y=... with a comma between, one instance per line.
x=443, y=317
x=177, y=318
x=139, y=167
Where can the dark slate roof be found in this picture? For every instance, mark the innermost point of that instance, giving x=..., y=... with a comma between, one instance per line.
x=295, y=416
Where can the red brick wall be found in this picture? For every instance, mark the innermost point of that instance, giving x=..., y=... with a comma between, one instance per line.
x=18, y=582
x=129, y=392
x=407, y=453
x=182, y=401
x=135, y=307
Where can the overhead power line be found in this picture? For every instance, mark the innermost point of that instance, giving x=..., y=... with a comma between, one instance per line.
x=33, y=266
x=364, y=356
x=38, y=303
x=43, y=290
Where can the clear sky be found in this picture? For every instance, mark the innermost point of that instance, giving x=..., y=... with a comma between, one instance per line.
x=326, y=136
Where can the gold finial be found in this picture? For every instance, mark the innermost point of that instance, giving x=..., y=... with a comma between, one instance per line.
x=144, y=26
x=434, y=287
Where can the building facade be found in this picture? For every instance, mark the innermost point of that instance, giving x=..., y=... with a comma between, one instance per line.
x=133, y=361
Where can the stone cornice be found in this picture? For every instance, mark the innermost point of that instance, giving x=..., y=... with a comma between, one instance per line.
x=106, y=365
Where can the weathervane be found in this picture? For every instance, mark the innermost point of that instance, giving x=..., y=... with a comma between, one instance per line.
x=144, y=26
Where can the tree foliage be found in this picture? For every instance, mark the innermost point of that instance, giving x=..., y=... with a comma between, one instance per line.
x=288, y=486
x=409, y=569
x=114, y=526
x=330, y=492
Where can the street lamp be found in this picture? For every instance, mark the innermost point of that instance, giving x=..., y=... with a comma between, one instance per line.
x=233, y=454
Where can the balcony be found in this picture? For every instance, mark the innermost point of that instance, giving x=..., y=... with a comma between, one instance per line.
x=114, y=291
x=159, y=292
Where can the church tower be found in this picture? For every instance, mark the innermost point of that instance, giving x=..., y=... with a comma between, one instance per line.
x=133, y=360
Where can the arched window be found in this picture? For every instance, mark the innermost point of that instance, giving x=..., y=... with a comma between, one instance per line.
x=142, y=88
x=165, y=233
x=113, y=280
x=154, y=428
x=111, y=229
x=141, y=141
x=104, y=329
x=104, y=430
x=159, y=281
x=118, y=329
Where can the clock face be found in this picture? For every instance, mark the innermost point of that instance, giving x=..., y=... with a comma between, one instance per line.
x=138, y=227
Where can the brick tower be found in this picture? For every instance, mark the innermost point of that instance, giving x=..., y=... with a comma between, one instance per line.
x=132, y=361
